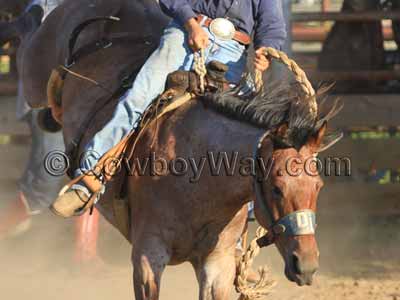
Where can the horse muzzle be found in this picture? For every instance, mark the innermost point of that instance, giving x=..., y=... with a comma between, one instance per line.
x=301, y=267
x=300, y=225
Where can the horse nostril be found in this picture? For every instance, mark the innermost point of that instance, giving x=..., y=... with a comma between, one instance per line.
x=296, y=264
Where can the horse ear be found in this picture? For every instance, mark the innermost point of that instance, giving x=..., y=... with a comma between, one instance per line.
x=281, y=136
x=329, y=140
x=282, y=130
x=322, y=141
x=315, y=140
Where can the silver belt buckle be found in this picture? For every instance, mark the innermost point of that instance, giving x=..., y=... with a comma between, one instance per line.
x=222, y=28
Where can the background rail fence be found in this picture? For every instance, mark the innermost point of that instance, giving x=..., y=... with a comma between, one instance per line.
x=309, y=30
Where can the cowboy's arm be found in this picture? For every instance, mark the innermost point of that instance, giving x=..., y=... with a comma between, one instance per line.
x=182, y=11
x=270, y=31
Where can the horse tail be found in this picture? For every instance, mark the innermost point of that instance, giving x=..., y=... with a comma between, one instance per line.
x=22, y=26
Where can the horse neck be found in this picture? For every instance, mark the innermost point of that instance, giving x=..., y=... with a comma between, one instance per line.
x=194, y=132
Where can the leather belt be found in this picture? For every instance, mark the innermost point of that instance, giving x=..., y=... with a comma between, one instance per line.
x=238, y=36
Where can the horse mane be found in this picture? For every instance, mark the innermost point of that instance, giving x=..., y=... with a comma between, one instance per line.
x=274, y=106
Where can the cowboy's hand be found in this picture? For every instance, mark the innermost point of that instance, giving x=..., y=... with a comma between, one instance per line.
x=261, y=61
x=198, y=38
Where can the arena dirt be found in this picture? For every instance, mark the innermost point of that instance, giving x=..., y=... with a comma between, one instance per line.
x=41, y=266
x=358, y=236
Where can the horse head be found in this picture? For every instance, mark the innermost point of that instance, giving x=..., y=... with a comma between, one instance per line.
x=286, y=199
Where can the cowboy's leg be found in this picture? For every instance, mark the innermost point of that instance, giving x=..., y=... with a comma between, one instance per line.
x=149, y=83
x=172, y=54
x=38, y=185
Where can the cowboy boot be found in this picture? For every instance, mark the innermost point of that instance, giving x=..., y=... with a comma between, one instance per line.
x=69, y=204
x=75, y=202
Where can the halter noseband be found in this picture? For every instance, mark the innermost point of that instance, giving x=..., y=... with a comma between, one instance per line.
x=299, y=222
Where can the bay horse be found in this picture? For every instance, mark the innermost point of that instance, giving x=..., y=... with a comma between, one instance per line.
x=175, y=219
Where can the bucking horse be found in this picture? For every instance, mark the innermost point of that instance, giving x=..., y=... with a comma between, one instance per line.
x=185, y=218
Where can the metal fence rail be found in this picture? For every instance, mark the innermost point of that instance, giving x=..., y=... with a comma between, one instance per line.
x=345, y=17
x=312, y=34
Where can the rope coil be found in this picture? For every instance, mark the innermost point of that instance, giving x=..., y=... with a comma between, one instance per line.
x=299, y=75
x=264, y=286
x=200, y=68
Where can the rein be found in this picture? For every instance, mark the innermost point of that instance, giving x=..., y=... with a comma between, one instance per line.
x=297, y=223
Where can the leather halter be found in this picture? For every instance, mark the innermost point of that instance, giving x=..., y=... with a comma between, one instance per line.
x=297, y=223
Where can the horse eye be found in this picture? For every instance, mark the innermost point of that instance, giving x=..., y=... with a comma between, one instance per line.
x=277, y=192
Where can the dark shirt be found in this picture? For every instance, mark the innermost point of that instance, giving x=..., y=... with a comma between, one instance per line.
x=264, y=18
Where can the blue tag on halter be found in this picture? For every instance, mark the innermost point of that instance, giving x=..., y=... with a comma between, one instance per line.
x=301, y=222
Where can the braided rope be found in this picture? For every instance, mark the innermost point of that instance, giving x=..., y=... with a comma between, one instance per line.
x=200, y=68
x=298, y=73
x=264, y=285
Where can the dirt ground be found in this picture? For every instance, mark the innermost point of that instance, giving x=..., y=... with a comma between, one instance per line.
x=358, y=232
x=41, y=266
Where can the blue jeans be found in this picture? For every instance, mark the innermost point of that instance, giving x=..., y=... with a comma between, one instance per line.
x=39, y=187
x=172, y=54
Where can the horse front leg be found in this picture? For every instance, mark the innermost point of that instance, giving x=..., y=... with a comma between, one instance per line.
x=149, y=259
x=216, y=275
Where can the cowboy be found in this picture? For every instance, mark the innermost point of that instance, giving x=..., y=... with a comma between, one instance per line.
x=222, y=29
